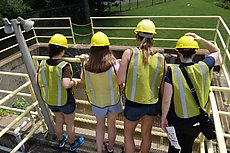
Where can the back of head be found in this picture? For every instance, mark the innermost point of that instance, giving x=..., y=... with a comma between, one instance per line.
x=101, y=57
x=145, y=26
x=186, y=45
x=57, y=44
x=59, y=40
x=144, y=31
x=99, y=39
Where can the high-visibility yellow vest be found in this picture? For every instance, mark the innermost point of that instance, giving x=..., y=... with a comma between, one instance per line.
x=184, y=104
x=143, y=81
x=101, y=88
x=50, y=83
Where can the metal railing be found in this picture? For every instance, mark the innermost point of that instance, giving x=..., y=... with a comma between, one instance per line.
x=29, y=112
x=64, y=21
x=217, y=28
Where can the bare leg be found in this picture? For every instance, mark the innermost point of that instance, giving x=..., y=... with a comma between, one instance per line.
x=112, y=132
x=129, y=131
x=146, y=137
x=69, y=120
x=59, y=124
x=100, y=134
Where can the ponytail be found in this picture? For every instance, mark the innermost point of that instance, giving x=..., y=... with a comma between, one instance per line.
x=145, y=47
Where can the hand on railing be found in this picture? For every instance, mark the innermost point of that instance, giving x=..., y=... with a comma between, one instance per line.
x=82, y=57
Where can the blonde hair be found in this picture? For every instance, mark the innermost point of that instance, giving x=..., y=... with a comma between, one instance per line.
x=101, y=59
x=145, y=47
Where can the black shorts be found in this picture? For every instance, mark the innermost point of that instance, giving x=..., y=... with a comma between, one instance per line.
x=134, y=111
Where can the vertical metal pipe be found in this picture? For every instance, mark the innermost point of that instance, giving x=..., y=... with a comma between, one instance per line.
x=71, y=27
x=17, y=134
x=129, y=4
x=217, y=28
x=92, y=27
x=120, y=5
x=31, y=71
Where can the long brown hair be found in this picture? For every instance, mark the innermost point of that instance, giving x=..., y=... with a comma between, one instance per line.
x=145, y=47
x=100, y=59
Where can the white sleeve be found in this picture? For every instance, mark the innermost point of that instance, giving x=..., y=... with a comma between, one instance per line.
x=116, y=65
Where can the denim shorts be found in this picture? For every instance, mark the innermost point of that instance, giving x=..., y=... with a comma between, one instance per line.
x=134, y=113
x=66, y=109
x=102, y=112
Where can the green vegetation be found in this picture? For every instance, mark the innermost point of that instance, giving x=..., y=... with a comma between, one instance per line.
x=185, y=8
x=19, y=103
x=10, y=8
x=170, y=8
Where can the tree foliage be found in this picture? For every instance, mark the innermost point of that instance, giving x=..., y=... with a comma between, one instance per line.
x=97, y=7
x=12, y=8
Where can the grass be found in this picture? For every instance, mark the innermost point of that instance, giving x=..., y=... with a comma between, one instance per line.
x=170, y=8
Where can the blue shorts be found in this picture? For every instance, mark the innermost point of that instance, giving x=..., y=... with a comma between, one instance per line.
x=66, y=109
x=134, y=113
x=102, y=112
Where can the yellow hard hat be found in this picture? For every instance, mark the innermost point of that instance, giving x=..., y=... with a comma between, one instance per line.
x=99, y=39
x=187, y=42
x=59, y=39
x=146, y=26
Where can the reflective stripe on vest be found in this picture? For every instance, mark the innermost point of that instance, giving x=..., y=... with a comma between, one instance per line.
x=50, y=83
x=184, y=103
x=144, y=80
x=101, y=88
x=44, y=79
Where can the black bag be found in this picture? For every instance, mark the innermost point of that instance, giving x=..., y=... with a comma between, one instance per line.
x=207, y=125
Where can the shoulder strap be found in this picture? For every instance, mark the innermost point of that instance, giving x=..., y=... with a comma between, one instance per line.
x=189, y=82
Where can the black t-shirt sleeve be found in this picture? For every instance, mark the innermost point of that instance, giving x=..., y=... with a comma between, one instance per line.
x=210, y=61
x=168, y=76
x=66, y=73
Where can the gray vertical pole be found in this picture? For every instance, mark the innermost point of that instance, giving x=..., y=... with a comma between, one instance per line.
x=31, y=71
x=129, y=4
x=120, y=5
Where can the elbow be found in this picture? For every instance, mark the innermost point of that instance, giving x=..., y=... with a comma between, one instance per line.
x=120, y=81
x=67, y=86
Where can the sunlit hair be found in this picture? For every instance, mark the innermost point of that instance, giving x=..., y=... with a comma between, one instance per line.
x=187, y=52
x=145, y=47
x=100, y=59
x=55, y=50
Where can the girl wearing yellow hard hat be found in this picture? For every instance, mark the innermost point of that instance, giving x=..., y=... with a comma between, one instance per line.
x=56, y=82
x=142, y=71
x=99, y=75
x=179, y=107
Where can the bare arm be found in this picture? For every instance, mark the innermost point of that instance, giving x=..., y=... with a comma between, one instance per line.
x=68, y=82
x=166, y=102
x=162, y=84
x=121, y=74
x=36, y=78
x=82, y=75
x=213, y=49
